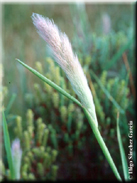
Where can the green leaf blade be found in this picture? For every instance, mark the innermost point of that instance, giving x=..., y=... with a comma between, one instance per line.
x=102, y=145
x=122, y=152
x=52, y=84
x=8, y=147
x=91, y=121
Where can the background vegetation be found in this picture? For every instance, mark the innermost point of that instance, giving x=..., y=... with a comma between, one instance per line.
x=32, y=106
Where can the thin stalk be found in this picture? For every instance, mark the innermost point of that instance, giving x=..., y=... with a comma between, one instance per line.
x=91, y=122
x=8, y=147
x=122, y=152
x=102, y=144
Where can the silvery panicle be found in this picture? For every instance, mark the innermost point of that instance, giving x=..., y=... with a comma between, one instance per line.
x=16, y=157
x=106, y=23
x=65, y=57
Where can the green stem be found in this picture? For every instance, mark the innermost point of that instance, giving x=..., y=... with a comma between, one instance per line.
x=102, y=144
x=122, y=152
x=8, y=146
x=91, y=121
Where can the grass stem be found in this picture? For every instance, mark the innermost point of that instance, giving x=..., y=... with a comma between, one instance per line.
x=91, y=122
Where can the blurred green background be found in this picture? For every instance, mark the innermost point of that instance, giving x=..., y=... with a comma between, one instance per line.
x=100, y=34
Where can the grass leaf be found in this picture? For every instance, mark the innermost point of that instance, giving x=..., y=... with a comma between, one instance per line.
x=8, y=146
x=122, y=152
x=102, y=144
x=89, y=117
x=48, y=81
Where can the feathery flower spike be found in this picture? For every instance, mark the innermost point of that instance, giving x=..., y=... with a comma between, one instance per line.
x=16, y=156
x=66, y=59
